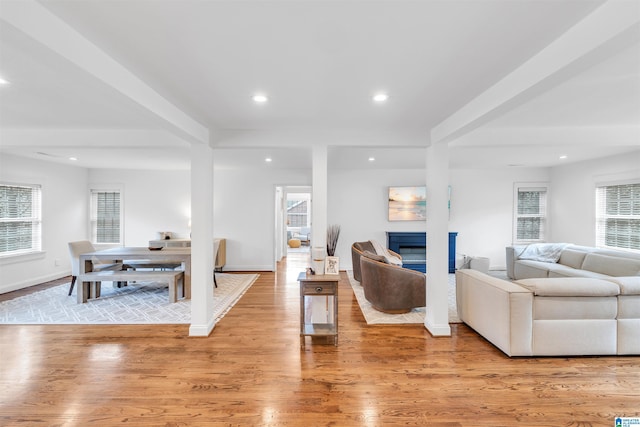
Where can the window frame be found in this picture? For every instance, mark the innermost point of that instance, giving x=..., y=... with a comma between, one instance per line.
x=36, y=220
x=105, y=188
x=601, y=216
x=518, y=187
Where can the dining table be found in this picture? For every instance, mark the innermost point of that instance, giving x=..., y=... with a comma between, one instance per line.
x=123, y=254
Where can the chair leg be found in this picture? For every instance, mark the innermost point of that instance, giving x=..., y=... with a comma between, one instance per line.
x=214, y=279
x=73, y=282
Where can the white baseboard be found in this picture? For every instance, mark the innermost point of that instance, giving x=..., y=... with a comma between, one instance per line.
x=247, y=268
x=33, y=281
x=202, y=330
x=438, y=330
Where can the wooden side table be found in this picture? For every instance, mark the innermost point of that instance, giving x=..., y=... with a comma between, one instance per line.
x=314, y=290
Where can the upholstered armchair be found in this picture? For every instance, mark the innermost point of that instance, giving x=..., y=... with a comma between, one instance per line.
x=356, y=252
x=389, y=288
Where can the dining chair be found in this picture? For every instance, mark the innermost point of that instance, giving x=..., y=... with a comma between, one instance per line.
x=82, y=247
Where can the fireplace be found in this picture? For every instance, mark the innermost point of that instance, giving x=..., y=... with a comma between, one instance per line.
x=412, y=246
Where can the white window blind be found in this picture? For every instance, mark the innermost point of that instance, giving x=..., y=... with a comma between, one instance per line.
x=20, y=219
x=530, y=214
x=618, y=216
x=106, y=216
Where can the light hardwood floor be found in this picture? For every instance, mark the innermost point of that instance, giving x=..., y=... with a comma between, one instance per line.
x=252, y=372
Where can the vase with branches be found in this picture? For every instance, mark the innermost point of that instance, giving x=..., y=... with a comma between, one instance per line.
x=333, y=232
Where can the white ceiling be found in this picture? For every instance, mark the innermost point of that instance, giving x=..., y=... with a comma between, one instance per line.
x=319, y=62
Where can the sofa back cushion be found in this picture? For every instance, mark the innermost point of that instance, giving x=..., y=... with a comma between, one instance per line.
x=374, y=256
x=570, y=287
x=611, y=266
x=364, y=246
x=572, y=258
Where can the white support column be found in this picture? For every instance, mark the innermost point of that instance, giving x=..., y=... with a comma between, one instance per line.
x=202, y=321
x=319, y=198
x=437, y=314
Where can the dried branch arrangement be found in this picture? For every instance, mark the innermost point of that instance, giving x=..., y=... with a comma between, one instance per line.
x=333, y=232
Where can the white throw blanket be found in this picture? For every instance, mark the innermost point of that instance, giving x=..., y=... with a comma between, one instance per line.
x=381, y=250
x=546, y=252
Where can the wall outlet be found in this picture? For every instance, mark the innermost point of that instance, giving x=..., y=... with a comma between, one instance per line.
x=56, y=262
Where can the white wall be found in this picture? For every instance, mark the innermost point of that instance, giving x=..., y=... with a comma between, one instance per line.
x=358, y=202
x=572, y=198
x=154, y=201
x=64, y=213
x=244, y=214
x=481, y=207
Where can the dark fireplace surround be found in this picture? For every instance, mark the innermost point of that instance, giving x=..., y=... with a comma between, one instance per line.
x=412, y=246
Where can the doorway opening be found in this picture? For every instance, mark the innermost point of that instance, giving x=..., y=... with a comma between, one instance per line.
x=293, y=225
x=298, y=221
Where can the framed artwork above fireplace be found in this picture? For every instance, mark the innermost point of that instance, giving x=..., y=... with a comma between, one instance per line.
x=408, y=203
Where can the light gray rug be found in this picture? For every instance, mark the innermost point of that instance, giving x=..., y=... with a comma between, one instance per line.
x=375, y=317
x=146, y=302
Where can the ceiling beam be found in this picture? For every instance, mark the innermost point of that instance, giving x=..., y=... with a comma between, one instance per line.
x=610, y=28
x=39, y=23
x=556, y=136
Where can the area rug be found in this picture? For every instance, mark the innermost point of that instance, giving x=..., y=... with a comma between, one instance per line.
x=141, y=303
x=417, y=315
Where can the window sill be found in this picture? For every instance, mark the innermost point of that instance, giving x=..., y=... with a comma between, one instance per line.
x=17, y=258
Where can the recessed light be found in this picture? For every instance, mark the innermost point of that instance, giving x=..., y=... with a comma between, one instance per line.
x=73, y=159
x=562, y=157
x=260, y=99
x=380, y=97
x=268, y=160
x=372, y=159
x=3, y=81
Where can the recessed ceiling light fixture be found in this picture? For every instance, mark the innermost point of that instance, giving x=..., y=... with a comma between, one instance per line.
x=563, y=156
x=372, y=159
x=73, y=159
x=268, y=160
x=3, y=81
x=260, y=99
x=380, y=97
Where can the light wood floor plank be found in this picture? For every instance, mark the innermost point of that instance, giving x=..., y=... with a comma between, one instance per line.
x=252, y=372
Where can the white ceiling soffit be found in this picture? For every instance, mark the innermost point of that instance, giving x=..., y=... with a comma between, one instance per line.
x=319, y=62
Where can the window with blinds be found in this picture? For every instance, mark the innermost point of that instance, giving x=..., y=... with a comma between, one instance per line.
x=106, y=217
x=530, y=214
x=20, y=219
x=618, y=216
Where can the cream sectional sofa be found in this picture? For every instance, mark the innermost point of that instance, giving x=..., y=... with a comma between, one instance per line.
x=558, y=316
x=565, y=260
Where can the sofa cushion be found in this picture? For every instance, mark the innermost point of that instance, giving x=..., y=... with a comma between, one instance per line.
x=574, y=272
x=364, y=246
x=572, y=258
x=526, y=269
x=374, y=257
x=570, y=286
x=629, y=285
x=610, y=265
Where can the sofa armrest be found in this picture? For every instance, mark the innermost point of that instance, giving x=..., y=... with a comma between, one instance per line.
x=513, y=252
x=499, y=310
